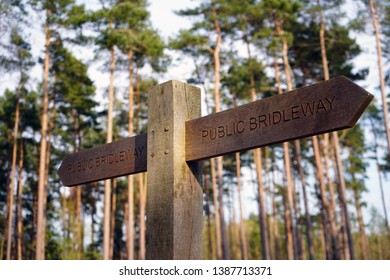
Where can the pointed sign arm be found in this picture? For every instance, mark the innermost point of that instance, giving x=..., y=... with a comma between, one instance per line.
x=319, y=108
x=119, y=158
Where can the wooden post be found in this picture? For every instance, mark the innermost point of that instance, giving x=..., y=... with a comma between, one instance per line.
x=174, y=208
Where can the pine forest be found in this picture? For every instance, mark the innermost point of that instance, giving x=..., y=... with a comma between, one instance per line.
x=75, y=74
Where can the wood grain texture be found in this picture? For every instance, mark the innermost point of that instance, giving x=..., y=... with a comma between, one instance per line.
x=174, y=194
x=320, y=108
x=127, y=156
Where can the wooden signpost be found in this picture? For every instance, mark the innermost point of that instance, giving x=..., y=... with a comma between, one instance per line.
x=178, y=138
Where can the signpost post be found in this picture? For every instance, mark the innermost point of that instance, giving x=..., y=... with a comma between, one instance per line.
x=178, y=138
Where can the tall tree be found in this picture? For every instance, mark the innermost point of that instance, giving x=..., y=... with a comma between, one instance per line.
x=74, y=92
x=279, y=12
x=22, y=61
x=355, y=169
x=141, y=45
x=337, y=48
x=335, y=143
x=375, y=23
x=55, y=13
x=377, y=130
x=246, y=23
x=243, y=77
x=107, y=40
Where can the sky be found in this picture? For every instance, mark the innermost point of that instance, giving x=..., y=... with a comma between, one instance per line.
x=168, y=24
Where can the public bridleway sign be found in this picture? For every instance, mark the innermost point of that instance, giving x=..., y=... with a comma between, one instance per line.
x=319, y=108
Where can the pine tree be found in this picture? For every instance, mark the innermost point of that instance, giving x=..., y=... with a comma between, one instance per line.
x=375, y=23
x=107, y=40
x=21, y=60
x=141, y=45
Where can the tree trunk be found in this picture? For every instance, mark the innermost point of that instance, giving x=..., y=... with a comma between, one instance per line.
x=217, y=66
x=234, y=239
x=210, y=251
x=375, y=23
x=341, y=191
x=13, y=171
x=289, y=203
x=107, y=183
x=326, y=136
x=130, y=178
x=40, y=235
x=220, y=208
x=275, y=213
x=323, y=241
x=363, y=237
x=77, y=189
x=19, y=205
x=257, y=154
x=257, y=158
x=79, y=234
x=93, y=213
x=217, y=220
x=336, y=144
x=309, y=235
x=325, y=151
x=330, y=215
x=113, y=212
x=287, y=225
x=290, y=187
x=259, y=169
x=243, y=246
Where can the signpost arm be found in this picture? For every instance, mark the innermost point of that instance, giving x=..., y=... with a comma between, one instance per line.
x=174, y=207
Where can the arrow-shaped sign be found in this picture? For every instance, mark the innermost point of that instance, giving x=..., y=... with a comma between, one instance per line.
x=119, y=158
x=319, y=108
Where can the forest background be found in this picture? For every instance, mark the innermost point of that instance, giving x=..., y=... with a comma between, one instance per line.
x=78, y=72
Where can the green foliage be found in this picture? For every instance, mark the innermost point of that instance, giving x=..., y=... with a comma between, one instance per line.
x=237, y=79
x=71, y=84
x=306, y=53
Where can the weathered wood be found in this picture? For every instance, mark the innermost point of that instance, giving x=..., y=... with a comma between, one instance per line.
x=323, y=107
x=174, y=194
x=127, y=156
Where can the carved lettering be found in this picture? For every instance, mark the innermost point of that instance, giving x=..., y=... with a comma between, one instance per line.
x=240, y=127
x=268, y=119
x=263, y=119
x=205, y=133
x=307, y=108
x=102, y=161
x=285, y=117
x=330, y=102
x=295, y=112
x=276, y=117
x=252, y=123
x=320, y=106
x=221, y=131
x=215, y=133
